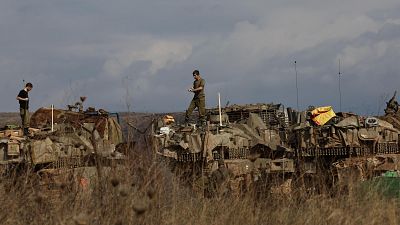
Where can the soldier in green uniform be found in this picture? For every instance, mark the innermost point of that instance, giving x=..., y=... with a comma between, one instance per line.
x=23, y=99
x=199, y=99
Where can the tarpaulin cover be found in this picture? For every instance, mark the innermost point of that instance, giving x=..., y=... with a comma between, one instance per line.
x=321, y=115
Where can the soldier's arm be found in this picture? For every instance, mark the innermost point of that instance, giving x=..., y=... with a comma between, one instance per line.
x=22, y=99
x=199, y=88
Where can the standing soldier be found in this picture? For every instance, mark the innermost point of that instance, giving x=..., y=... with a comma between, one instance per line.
x=23, y=99
x=199, y=99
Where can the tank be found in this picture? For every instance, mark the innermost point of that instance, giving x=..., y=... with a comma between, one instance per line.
x=62, y=142
x=268, y=148
x=235, y=152
x=347, y=148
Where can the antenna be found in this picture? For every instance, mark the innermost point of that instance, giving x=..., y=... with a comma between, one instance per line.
x=297, y=89
x=219, y=109
x=340, y=91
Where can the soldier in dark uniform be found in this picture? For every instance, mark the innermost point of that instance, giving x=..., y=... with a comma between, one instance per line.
x=199, y=99
x=23, y=99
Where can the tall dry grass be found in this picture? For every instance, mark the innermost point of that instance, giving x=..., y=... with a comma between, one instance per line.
x=144, y=191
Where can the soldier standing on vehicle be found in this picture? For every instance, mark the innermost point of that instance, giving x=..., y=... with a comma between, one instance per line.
x=199, y=99
x=23, y=99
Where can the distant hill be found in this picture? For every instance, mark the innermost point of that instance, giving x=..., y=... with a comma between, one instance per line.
x=9, y=118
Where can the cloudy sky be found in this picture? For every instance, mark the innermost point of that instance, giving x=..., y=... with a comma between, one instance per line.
x=138, y=55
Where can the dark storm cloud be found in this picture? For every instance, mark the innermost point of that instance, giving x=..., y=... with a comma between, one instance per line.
x=138, y=55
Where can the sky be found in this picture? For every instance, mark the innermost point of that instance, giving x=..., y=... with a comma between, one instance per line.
x=138, y=55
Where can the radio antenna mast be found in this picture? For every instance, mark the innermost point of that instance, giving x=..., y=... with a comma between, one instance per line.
x=340, y=91
x=297, y=88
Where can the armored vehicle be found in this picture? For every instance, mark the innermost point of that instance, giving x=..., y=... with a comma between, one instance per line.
x=238, y=149
x=61, y=141
x=271, y=149
x=340, y=148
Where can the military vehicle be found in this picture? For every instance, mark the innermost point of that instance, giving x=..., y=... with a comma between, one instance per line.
x=240, y=148
x=60, y=142
x=272, y=149
x=343, y=148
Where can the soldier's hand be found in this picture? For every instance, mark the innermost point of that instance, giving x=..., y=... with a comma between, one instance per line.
x=190, y=90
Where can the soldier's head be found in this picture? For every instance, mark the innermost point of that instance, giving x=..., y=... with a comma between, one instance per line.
x=196, y=74
x=28, y=86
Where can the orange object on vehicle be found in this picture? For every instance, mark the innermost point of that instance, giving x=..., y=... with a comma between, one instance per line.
x=167, y=119
x=321, y=115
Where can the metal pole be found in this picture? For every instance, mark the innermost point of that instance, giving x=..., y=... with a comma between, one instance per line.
x=219, y=109
x=340, y=91
x=297, y=89
x=52, y=118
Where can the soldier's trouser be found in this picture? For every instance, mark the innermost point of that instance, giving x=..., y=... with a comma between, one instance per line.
x=199, y=103
x=24, y=113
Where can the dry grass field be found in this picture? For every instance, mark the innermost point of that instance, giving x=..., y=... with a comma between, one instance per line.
x=144, y=191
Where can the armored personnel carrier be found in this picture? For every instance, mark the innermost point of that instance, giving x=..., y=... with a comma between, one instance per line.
x=238, y=149
x=61, y=141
